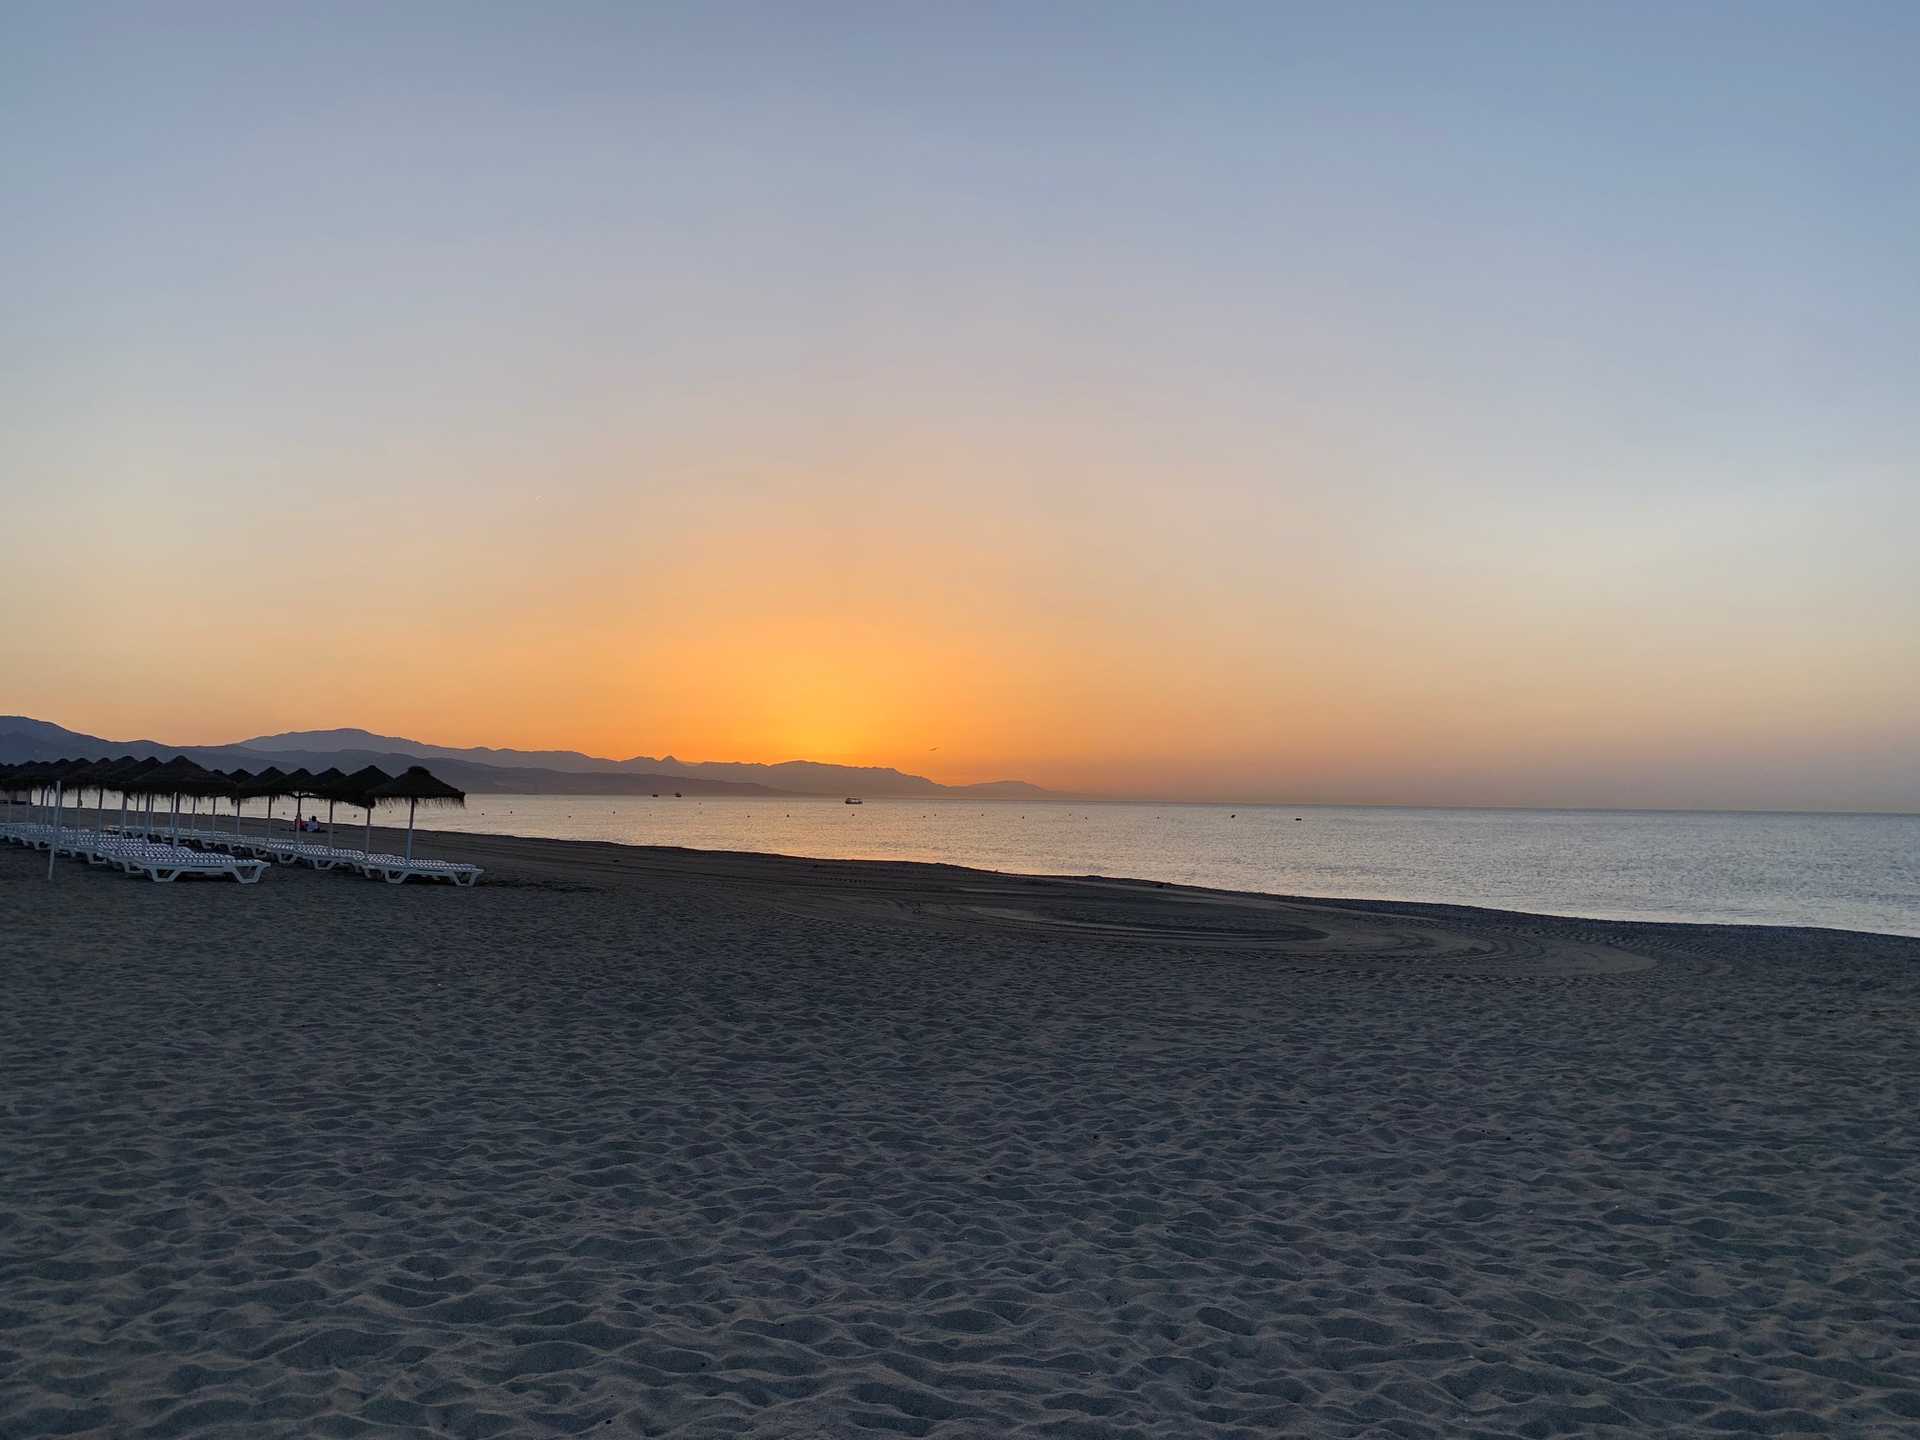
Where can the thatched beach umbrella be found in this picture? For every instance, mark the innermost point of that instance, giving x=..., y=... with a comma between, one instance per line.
x=213, y=786
x=97, y=777
x=179, y=776
x=43, y=776
x=114, y=775
x=300, y=786
x=43, y=773
x=269, y=783
x=20, y=783
x=358, y=789
x=17, y=780
x=125, y=778
x=55, y=775
x=239, y=779
x=55, y=772
x=325, y=788
x=138, y=783
x=419, y=786
x=26, y=780
x=26, y=777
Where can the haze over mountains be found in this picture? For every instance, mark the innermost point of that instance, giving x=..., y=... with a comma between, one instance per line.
x=491, y=771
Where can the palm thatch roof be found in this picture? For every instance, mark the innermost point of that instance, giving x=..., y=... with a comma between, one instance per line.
x=421, y=786
x=271, y=781
x=94, y=774
x=359, y=788
x=179, y=776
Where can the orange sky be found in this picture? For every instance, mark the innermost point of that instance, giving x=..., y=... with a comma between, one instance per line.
x=1211, y=640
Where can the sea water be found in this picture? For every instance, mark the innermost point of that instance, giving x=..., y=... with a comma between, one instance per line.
x=1853, y=872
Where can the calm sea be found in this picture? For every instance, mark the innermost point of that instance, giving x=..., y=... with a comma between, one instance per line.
x=1852, y=872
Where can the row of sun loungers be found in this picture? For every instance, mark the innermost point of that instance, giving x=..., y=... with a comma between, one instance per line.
x=246, y=857
x=157, y=860
x=287, y=850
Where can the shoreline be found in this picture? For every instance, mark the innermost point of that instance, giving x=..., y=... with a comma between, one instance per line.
x=446, y=845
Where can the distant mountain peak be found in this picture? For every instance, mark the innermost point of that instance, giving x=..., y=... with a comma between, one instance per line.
x=482, y=767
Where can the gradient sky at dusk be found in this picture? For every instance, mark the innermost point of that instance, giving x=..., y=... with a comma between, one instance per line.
x=1456, y=403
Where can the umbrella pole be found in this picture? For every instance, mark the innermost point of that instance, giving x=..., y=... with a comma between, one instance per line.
x=53, y=849
x=330, y=805
x=411, y=802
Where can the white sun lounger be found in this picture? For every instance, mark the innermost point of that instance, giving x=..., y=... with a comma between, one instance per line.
x=166, y=863
x=34, y=836
x=302, y=852
x=397, y=869
x=285, y=852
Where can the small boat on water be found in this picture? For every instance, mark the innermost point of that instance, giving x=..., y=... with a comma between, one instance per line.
x=852, y=801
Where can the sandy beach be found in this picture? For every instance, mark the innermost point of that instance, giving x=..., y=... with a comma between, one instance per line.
x=649, y=1142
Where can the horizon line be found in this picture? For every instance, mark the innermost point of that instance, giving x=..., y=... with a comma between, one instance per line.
x=1047, y=794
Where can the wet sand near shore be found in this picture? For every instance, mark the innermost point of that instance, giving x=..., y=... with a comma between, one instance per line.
x=634, y=1141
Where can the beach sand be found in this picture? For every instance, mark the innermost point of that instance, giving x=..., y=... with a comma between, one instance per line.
x=644, y=1142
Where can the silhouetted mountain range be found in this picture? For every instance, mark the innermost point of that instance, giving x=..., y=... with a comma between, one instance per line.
x=489, y=771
